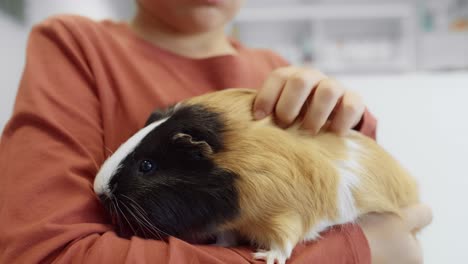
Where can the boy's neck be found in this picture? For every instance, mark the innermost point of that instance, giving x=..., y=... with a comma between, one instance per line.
x=197, y=45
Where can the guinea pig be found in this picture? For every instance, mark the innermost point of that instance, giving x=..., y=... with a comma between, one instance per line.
x=206, y=167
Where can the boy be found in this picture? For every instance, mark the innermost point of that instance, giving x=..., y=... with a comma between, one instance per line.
x=88, y=86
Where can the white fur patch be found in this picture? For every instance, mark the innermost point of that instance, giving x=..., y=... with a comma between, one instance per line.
x=111, y=165
x=276, y=254
x=321, y=226
x=347, y=211
x=352, y=146
x=346, y=204
x=348, y=180
x=177, y=106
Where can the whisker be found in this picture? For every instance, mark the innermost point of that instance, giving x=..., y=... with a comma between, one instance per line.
x=133, y=201
x=144, y=216
x=95, y=164
x=146, y=224
x=139, y=219
x=123, y=214
x=115, y=213
x=110, y=151
x=139, y=222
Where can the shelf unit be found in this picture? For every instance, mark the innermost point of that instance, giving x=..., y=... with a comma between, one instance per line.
x=317, y=21
x=325, y=11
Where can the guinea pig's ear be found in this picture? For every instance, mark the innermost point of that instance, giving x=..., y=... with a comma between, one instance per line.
x=159, y=114
x=198, y=149
x=155, y=116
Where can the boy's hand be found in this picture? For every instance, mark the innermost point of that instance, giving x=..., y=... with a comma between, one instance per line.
x=290, y=91
x=392, y=239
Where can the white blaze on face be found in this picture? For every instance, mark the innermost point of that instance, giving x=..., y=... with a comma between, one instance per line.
x=111, y=165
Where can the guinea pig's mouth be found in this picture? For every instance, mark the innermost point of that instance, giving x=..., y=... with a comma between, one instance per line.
x=130, y=219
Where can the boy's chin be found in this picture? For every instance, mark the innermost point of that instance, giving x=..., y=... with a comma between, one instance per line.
x=203, y=21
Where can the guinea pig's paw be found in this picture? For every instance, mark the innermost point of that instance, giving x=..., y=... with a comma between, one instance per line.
x=271, y=256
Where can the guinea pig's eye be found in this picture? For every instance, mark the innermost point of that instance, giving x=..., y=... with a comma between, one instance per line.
x=146, y=166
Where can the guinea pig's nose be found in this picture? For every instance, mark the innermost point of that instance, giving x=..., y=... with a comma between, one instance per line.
x=114, y=187
x=103, y=197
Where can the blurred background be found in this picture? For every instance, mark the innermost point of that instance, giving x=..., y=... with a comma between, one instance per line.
x=408, y=59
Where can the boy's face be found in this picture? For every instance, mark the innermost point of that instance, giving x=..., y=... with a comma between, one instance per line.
x=192, y=16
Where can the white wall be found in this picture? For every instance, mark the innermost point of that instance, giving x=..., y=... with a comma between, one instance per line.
x=423, y=122
x=37, y=10
x=12, y=46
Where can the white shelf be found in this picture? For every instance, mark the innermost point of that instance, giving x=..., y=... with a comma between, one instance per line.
x=324, y=11
x=322, y=25
x=444, y=50
x=330, y=67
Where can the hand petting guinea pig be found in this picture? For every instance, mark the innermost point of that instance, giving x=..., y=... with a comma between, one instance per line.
x=205, y=167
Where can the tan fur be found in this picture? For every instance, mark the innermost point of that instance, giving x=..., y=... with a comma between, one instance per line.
x=289, y=179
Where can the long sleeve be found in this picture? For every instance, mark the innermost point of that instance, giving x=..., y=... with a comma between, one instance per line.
x=50, y=152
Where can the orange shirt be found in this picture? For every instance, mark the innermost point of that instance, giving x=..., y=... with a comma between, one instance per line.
x=87, y=86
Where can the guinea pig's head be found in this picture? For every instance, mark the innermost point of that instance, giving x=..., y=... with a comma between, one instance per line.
x=163, y=181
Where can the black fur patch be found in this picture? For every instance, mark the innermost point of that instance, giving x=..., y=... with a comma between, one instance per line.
x=186, y=194
x=159, y=114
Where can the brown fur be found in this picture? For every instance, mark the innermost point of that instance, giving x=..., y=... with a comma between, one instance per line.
x=289, y=179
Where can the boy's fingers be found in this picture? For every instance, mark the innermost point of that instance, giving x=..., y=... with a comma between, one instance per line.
x=417, y=216
x=270, y=92
x=326, y=97
x=348, y=114
x=294, y=95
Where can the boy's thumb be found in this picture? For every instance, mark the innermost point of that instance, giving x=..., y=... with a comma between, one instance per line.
x=417, y=216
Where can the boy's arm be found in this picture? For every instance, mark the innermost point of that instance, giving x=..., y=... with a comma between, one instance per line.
x=341, y=244
x=49, y=154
